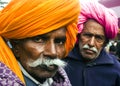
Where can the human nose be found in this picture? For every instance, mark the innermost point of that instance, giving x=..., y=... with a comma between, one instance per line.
x=50, y=50
x=91, y=42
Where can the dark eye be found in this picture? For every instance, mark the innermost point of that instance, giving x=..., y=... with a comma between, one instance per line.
x=100, y=38
x=87, y=35
x=60, y=41
x=39, y=39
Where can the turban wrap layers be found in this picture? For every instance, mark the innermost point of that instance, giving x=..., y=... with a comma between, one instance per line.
x=106, y=17
x=27, y=18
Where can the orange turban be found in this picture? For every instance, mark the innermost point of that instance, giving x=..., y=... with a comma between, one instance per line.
x=27, y=18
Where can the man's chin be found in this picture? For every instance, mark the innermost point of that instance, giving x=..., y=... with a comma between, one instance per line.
x=42, y=76
x=43, y=73
x=47, y=74
x=50, y=68
x=88, y=57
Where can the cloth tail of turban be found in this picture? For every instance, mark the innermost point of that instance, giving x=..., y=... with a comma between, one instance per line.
x=106, y=17
x=27, y=18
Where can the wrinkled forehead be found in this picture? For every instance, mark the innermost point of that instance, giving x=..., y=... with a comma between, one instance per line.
x=93, y=27
x=90, y=21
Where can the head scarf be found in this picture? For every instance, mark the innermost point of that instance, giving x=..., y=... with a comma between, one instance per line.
x=27, y=18
x=106, y=17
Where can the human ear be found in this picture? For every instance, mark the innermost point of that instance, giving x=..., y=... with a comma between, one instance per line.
x=15, y=48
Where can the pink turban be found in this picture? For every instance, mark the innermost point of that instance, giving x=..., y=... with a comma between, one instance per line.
x=103, y=15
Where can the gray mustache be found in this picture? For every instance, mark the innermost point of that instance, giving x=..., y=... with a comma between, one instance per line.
x=47, y=62
x=90, y=48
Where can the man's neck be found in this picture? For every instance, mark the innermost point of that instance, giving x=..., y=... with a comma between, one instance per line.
x=27, y=74
x=41, y=80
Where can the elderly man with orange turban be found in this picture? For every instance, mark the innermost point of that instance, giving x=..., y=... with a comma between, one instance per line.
x=40, y=32
x=88, y=62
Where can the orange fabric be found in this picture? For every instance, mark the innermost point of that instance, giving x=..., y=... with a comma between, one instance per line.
x=28, y=18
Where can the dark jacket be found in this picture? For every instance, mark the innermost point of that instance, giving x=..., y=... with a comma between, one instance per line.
x=104, y=71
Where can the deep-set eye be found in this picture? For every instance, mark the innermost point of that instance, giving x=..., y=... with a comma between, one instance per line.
x=38, y=39
x=60, y=41
x=100, y=38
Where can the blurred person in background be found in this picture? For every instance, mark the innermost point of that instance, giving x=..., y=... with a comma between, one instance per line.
x=118, y=50
x=112, y=49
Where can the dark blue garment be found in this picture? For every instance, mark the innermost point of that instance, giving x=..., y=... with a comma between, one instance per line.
x=29, y=82
x=104, y=71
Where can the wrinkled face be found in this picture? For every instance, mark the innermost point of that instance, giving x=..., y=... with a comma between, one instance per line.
x=39, y=55
x=91, y=40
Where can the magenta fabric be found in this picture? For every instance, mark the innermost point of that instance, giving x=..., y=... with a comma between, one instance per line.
x=61, y=78
x=103, y=15
x=7, y=77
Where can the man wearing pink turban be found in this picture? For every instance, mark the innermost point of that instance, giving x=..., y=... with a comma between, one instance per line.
x=88, y=63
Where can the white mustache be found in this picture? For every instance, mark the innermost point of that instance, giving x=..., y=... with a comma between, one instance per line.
x=47, y=62
x=92, y=48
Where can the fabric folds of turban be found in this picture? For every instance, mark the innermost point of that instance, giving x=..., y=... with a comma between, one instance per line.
x=103, y=15
x=27, y=18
